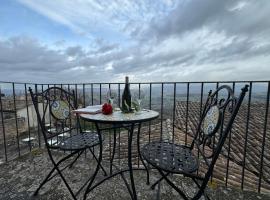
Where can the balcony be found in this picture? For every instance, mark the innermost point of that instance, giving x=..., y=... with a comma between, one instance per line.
x=242, y=171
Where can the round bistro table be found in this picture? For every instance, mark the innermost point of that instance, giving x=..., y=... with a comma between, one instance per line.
x=119, y=119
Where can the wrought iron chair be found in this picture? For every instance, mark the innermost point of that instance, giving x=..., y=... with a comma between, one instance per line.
x=217, y=118
x=61, y=130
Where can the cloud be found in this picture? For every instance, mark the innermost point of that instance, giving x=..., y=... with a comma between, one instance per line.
x=27, y=54
x=232, y=17
x=92, y=17
x=74, y=51
x=195, y=40
x=25, y=59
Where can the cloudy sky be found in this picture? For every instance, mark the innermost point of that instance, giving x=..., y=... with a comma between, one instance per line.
x=149, y=40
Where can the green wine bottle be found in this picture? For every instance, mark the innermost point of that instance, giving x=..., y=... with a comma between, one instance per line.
x=126, y=98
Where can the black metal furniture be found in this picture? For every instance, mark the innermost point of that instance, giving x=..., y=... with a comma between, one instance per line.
x=120, y=120
x=61, y=130
x=214, y=125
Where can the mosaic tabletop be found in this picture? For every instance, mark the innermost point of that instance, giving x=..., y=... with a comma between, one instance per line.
x=120, y=117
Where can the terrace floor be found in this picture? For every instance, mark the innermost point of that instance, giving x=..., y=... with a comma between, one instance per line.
x=19, y=179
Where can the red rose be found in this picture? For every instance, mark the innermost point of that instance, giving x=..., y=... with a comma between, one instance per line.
x=107, y=109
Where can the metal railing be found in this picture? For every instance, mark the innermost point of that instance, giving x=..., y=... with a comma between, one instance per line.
x=247, y=157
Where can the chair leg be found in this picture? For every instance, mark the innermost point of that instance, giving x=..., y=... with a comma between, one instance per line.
x=202, y=191
x=79, y=154
x=104, y=171
x=49, y=176
x=98, y=165
x=113, y=153
x=172, y=185
x=158, y=181
x=63, y=178
x=158, y=192
x=44, y=181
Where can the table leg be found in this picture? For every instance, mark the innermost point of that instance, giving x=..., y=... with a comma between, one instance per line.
x=134, y=197
x=139, y=153
x=113, y=153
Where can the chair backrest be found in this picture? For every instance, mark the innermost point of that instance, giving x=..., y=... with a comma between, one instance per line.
x=53, y=108
x=216, y=121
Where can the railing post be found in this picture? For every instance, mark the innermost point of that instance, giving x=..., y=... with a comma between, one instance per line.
x=174, y=107
x=161, y=113
x=150, y=107
x=3, y=125
x=246, y=135
x=27, y=112
x=187, y=110
x=229, y=149
x=16, y=120
x=264, y=136
x=39, y=142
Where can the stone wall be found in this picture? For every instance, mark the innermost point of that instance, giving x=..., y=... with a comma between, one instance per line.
x=10, y=127
x=32, y=115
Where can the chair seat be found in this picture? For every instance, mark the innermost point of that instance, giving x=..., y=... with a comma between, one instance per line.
x=79, y=141
x=170, y=157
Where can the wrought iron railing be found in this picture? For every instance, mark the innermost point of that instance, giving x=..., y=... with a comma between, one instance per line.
x=245, y=161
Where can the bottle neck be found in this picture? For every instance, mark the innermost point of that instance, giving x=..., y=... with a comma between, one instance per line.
x=127, y=81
